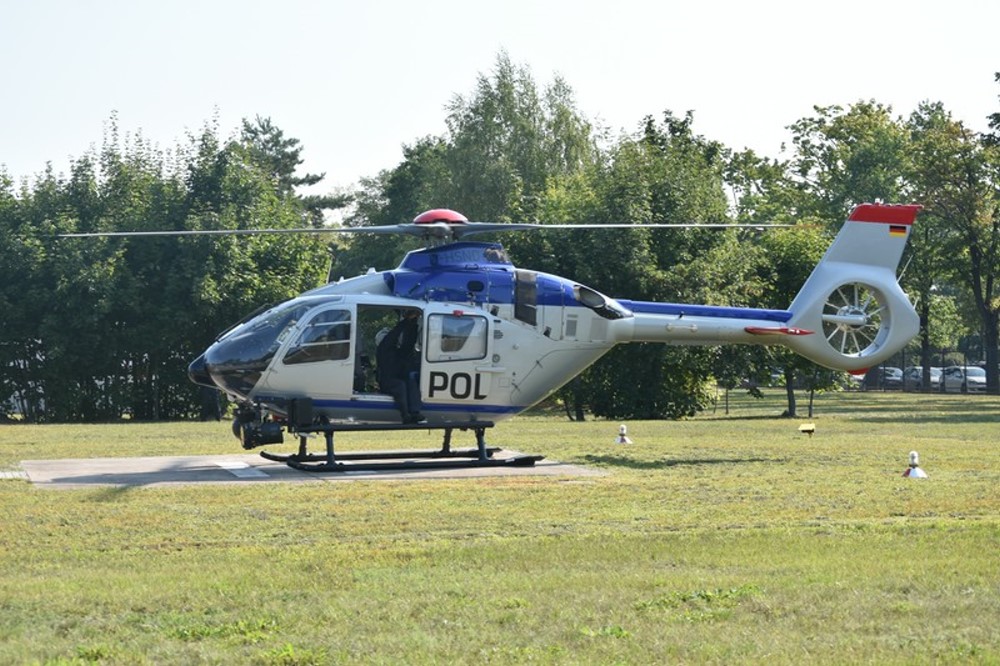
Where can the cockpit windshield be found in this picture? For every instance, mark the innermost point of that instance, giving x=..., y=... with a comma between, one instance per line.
x=237, y=361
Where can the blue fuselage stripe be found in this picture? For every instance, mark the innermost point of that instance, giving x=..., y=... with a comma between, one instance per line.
x=383, y=404
x=464, y=407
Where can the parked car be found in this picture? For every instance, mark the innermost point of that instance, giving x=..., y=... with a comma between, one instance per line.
x=913, y=378
x=963, y=379
x=886, y=377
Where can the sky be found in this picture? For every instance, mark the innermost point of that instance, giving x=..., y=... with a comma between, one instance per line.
x=355, y=81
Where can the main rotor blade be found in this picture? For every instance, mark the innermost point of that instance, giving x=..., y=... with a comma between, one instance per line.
x=440, y=230
x=238, y=232
x=483, y=227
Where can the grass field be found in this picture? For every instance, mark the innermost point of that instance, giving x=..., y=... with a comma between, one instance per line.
x=720, y=539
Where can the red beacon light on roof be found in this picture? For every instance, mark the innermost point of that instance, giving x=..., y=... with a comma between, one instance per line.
x=437, y=215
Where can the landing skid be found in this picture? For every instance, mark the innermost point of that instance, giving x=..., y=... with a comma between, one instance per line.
x=443, y=458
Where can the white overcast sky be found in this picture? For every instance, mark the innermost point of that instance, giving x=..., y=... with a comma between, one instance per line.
x=353, y=81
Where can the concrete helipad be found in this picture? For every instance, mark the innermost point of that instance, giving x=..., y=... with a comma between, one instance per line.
x=249, y=468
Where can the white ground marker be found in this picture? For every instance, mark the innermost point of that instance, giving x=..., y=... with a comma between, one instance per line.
x=241, y=470
x=13, y=474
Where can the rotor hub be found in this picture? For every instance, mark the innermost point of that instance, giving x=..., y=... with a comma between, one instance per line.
x=851, y=317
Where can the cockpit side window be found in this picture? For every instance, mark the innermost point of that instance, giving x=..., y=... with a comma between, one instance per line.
x=326, y=337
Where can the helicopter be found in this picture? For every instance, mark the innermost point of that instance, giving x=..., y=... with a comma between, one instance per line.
x=492, y=339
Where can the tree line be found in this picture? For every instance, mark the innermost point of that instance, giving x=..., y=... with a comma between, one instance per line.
x=95, y=329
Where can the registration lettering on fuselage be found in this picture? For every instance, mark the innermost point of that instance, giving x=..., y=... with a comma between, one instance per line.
x=457, y=385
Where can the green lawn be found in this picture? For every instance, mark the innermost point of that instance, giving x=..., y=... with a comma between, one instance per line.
x=719, y=539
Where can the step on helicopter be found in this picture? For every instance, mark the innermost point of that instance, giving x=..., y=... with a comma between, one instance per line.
x=489, y=340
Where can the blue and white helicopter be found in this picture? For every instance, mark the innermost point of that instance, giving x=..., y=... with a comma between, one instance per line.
x=495, y=339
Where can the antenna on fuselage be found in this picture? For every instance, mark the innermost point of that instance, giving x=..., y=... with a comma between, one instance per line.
x=333, y=263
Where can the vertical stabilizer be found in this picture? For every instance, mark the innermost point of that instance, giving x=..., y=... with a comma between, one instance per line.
x=852, y=301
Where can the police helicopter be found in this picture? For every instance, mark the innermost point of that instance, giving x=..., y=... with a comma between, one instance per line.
x=473, y=340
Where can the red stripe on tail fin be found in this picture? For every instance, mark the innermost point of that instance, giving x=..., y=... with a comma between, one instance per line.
x=885, y=214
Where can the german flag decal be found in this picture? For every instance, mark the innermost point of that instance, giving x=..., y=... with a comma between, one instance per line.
x=897, y=230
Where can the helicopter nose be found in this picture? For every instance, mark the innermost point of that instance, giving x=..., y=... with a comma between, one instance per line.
x=198, y=373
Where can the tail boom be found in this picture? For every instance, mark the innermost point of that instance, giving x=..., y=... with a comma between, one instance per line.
x=704, y=324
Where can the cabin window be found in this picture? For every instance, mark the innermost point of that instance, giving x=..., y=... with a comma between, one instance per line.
x=571, y=321
x=456, y=337
x=327, y=337
x=526, y=297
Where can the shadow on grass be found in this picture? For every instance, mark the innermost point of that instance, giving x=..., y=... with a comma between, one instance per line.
x=111, y=493
x=749, y=417
x=886, y=407
x=632, y=463
x=964, y=418
x=874, y=415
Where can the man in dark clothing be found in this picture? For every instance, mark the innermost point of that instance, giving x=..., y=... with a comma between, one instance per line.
x=397, y=367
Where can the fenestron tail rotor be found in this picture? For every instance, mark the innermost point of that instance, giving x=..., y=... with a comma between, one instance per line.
x=854, y=316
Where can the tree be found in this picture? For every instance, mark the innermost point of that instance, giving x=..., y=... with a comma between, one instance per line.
x=24, y=295
x=97, y=328
x=957, y=180
x=506, y=140
x=504, y=143
x=420, y=182
x=279, y=157
x=846, y=157
x=664, y=174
